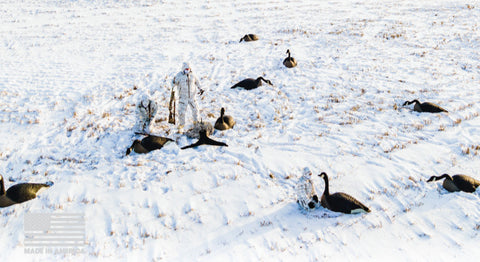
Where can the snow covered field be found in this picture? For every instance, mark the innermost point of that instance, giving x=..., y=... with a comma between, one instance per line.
x=67, y=108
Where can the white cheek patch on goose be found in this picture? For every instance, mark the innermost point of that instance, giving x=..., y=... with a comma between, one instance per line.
x=358, y=211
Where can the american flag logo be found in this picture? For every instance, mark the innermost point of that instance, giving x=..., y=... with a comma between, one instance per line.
x=54, y=230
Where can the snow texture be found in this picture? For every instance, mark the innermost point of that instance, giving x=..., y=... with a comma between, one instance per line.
x=73, y=71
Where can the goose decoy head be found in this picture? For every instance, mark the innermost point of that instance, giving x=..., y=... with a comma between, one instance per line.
x=435, y=178
x=411, y=102
x=323, y=175
x=130, y=149
x=2, y=186
x=258, y=80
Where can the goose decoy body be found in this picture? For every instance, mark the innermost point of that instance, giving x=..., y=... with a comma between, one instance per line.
x=249, y=37
x=425, y=107
x=289, y=61
x=340, y=202
x=251, y=83
x=457, y=182
x=204, y=140
x=148, y=143
x=20, y=193
x=224, y=122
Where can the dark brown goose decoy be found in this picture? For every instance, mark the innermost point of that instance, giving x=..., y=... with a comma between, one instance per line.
x=204, y=140
x=457, y=183
x=148, y=144
x=289, y=61
x=249, y=37
x=251, y=83
x=340, y=202
x=425, y=107
x=224, y=122
x=20, y=193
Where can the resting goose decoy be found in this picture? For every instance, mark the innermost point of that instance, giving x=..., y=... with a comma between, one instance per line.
x=251, y=83
x=457, y=182
x=249, y=37
x=204, y=140
x=425, y=107
x=224, y=122
x=20, y=193
x=341, y=202
x=148, y=144
x=289, y=61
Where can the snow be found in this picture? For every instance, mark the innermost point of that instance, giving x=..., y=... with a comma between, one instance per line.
x=72, y=72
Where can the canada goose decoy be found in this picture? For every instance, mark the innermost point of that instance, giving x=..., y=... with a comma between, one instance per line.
x=224, y=122
x=457, y=182
x=289, y=61
x=251, y=83
x=20, y=193
x=249, y=37
x=340, y=202
x=425, y=107
x=204, y=140
x=148, y=144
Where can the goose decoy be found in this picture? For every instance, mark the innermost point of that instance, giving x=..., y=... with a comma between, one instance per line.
x=457, y=182
x=20, y=193
x=289, y=61
x=425, y=107
x=249, y=37
x=148, y=143
x=224, y=122
x=251, y=83
x=204, y=140
x=340, y=202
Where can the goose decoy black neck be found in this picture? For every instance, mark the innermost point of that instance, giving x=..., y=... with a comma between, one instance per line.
x=2, y=186
x=264, y=80
x=325, y=179
x=411, y=102
x=221, y=120
x=435, y=178
x=457, y=182
x=204, y=140
x=340, y=202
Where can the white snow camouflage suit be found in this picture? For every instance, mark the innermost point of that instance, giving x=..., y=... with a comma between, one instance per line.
x=147, y=109
x=306, y=195
x=188, y=85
